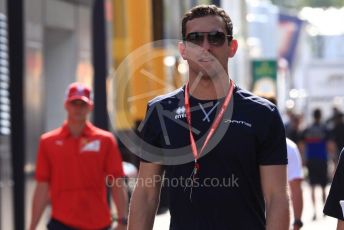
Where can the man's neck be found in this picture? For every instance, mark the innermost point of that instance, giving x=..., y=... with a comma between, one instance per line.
x=76, y=128
x=206, y=88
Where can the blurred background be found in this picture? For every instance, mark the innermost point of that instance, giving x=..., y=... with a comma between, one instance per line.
x=126, y=50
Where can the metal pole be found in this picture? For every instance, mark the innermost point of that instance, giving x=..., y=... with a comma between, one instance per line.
x=1, y=186
x=100, y=115
x=16, y=67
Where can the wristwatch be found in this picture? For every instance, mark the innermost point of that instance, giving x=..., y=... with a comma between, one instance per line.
x=298, y=223
x=122, y=221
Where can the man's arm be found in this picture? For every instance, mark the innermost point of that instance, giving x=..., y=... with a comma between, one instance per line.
x=297, y=199
x=40, y=201
x=120, y=197
x=145, y=198
x=274, y=185
x=340, y=225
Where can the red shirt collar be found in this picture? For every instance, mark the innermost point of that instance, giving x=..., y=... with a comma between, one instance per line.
x=86, y=132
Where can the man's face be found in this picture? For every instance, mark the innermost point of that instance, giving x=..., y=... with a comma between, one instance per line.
x=207, y=56
x=77, y=110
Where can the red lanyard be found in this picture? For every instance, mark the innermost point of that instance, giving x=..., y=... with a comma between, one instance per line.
x=213, y=126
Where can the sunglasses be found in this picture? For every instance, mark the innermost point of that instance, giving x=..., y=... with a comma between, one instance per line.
x=215, y=38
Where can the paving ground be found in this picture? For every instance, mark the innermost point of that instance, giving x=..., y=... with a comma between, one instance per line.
x=162, y=221
x=322, y=223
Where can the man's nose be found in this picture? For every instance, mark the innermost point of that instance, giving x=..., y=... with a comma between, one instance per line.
x=205, y=44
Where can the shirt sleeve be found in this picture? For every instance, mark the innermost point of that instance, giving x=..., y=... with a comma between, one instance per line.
x=272, y=148
x=150, y=135
x=43, y=166
x=113, y=162
x=336, y=194
x=294, y=162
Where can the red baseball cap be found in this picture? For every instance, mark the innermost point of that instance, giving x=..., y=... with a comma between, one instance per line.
x=78, y=91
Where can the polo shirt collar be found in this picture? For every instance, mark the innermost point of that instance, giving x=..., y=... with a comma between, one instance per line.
x=87, y=131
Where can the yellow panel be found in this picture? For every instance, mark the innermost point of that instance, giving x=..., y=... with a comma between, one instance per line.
x=140, y=35
x=119, y=52
x=141, y=77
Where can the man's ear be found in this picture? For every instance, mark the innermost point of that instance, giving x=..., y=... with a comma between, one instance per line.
x=181, y=48
x=233, y=47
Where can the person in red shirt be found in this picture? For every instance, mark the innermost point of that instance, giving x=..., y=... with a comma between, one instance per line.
x=75, y=164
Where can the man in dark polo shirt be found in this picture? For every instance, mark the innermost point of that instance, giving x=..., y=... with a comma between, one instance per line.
x=222, y=149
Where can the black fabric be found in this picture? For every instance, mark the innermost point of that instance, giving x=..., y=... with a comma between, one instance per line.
x=255, y=136
x=336, y=194
x=58, y=225
x=338, y=136
x=317, y=172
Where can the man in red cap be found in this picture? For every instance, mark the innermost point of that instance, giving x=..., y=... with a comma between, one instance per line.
x=75, y=163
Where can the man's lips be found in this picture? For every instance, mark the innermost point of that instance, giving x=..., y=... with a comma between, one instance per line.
x=205, y=59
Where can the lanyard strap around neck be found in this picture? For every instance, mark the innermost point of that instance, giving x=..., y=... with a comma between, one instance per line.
x=214, y=125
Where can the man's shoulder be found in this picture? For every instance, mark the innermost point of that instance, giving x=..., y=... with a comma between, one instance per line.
x=169, y=98
x=291, y=143
x=292, y=149
x=52, y=134
x=98, y=132
x=245, y=97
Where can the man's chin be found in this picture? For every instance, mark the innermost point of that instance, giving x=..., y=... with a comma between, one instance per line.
x=208, y=72
x=78, y=119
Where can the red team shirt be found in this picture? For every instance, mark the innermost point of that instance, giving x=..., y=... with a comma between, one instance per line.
x=76, y=168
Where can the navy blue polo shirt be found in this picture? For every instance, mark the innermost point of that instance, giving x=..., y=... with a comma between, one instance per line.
x=315, y=138
x=227, y=192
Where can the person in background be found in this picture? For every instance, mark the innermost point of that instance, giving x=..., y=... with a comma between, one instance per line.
x=337, y=133
x=295, y=177
x=74, y=163
x=316, y=146
x=294, y=173
x=292, y=127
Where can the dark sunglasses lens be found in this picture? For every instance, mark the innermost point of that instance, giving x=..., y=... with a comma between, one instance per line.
x=195, y=38
x=216, y=38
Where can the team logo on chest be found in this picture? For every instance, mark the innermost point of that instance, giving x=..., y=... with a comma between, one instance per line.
x=180, y=113
x=207, y=114
x=93, y=146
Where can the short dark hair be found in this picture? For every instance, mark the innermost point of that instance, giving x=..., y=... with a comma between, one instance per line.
x=317, y=114
x=207, y=10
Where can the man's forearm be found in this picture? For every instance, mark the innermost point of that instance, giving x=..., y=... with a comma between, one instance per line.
x=340, y=225
x=40, y=201
x=277, y=212
x=296, y=197
x=142, y=212
x=120, y=197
